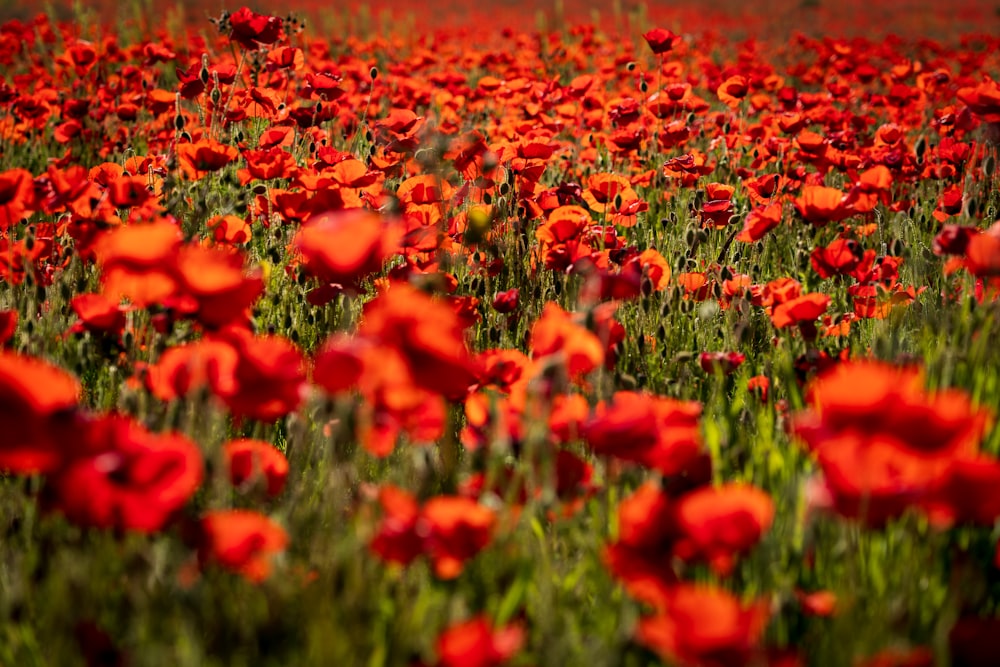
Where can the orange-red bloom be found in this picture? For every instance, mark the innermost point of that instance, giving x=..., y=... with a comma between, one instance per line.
x=475, y=643
x=241, y=541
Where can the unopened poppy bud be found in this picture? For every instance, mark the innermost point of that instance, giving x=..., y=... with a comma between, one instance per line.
x=630, y=67
x=373, y=73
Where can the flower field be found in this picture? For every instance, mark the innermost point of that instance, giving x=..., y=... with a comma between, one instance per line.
x=500, y=335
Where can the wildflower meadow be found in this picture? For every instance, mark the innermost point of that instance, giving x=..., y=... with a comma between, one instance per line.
x=525, y=334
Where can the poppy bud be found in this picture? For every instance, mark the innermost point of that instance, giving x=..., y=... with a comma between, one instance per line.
x=373, y=73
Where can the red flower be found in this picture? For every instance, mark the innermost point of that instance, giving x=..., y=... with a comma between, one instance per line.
x=264, y=380
x=719, y=523
x=35, y=400
x=727, y=362
x=805, y=308
x=455, y=529
x=555, y=334
x=660, y=433
x=884, y=444
x=98, y=314
x=506, y=302
x=426, y=334
x=241, y=541
x=250, y=30
x=820, y=205
x=701, y=625
x=344, y=247
x=661, y=40
x=448, y=529
x=8, y=325
x=202, y=157
x=254, y=459
x=17, y=198
x=475, y=643
x=126, y=478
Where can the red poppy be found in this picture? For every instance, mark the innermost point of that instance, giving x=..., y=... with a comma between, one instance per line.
x=661, y=40
x=200, y=158
x=36, y=399
x=215, y=289
x=841, y=257
x=982, y=252
x=397, y=540
x=883, y=443
x=660, y=433
x=241, y=541
x=16, y=196
x=98, y=314
x=137, y=262
x=266, y=382
x=248, y=460
x=476, y=643
x=345, y=247
x=8, y=325
x=702, y=625
x=123, y=477
x=554, y=334
x=448, y=529
x=250, y=30
x=983, y=100
x=719, y=523
x=428, y=336
x=820, y=205
x=732, y=90
x=725, y=362
x=803, y=309
x=454, y=529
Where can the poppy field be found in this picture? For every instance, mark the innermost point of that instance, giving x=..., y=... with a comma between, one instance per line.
x=609, y=335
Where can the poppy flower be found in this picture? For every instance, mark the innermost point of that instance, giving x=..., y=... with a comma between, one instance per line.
x=255, y=459
x=883, y=443
x=267, y=380
x=200, y=158
x=240, y=541
x=506, y=302
x=803, y=309
x=732, y=90
x=123, y=477
x=718, y=523
x=36, y=399
x=98, y=314
x=250, y=29
x=840, y=257
x=759, y=222
x=661, y=40
x=345, y=247
x=427, y=335
x=16, y=196
x=983, y=100
x=396, y=539
x=454, y=530
x=476, y=643
x=137, y=262
x=982, y=252
x=660, y=433
x=8, y=325
x=555, y=335
x=726, y=362
x=820, y=205
x=218, y=290
x=704, y=625
x=448, y=529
